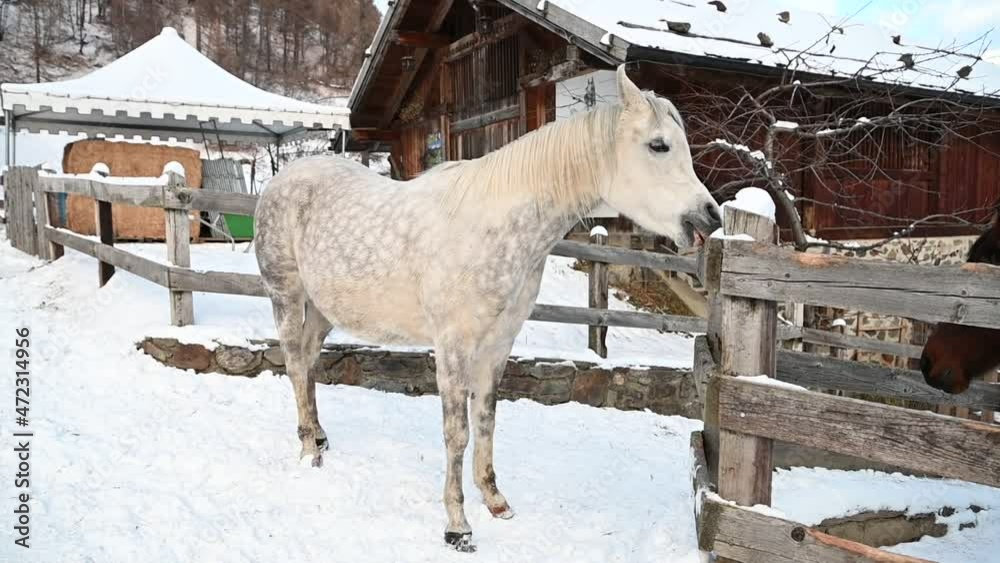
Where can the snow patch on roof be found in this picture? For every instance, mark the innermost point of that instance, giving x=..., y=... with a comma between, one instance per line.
x=810, y=42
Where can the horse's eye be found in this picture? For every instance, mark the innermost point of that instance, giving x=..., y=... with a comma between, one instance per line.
x=659, y=145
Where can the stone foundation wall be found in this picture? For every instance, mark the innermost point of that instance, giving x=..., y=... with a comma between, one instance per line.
x=661, y=390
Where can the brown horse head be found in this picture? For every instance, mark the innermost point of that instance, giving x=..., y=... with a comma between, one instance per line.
x=956, y=354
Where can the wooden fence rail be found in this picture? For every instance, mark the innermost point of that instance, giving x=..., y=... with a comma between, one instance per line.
x=915, y=440
x=968, y=294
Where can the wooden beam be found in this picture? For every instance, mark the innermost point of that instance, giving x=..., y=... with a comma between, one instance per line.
x=208, y=200
x=701, y=482
x=106, y=233
x=969, y=294
x=745, y=334
x=915, y=440
x=503, y=28
x=604, y=317
x=597, y=298
x=376, y=135
x=178, y=236
x=744, y=535
x=819, y=372
x=142, y=267
x=851, y=342
x=420, y=39
x=556, y=73
x=42, y=219
x=485, y=119
x=396, y=99
x=185, y=279
x=141, y=195
x=625, y=257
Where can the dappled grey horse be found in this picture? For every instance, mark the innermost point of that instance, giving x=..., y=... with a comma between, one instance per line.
x=454, y=258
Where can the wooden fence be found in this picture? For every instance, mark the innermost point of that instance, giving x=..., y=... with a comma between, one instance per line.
x=178, y=202
x=744, y=415
x=26, y=187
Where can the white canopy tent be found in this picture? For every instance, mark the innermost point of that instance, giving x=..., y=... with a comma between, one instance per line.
x=167, y=90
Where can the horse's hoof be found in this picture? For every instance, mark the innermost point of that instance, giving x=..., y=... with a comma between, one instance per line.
x=503, y=512
x=461, y=542
x=310, y=460
x=322, y=444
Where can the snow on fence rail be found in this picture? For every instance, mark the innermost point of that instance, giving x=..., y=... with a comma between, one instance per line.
x=743, y=415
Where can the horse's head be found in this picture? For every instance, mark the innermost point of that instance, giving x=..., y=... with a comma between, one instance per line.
x=655, y=184
x=956, y=354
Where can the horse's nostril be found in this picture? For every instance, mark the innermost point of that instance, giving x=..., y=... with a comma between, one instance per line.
x=713, y=211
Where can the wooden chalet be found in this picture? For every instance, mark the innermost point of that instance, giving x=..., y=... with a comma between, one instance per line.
x=456, y=79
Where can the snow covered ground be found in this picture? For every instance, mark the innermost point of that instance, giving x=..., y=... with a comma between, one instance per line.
x=134, y=461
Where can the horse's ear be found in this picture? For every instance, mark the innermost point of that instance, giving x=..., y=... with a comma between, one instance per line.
x=631, y=96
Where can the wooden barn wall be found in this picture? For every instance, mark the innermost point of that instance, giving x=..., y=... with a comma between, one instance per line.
x=480, y=77
x=913, y=181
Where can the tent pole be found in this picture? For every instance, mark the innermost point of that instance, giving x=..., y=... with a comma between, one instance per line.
x=6, y=139
x=13, y=140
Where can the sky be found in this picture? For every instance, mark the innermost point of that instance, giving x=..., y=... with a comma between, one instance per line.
x=932, y=22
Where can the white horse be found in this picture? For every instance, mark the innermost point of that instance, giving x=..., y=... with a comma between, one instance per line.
x=454, y=258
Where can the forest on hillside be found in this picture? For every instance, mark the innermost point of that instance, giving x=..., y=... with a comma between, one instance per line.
x=307, y=48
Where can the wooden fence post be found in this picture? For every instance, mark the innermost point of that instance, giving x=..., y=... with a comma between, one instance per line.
x=42, y=220
x=744, y=331
x=989, y=415
x=106, y=233
x=598, y=294
x=179, y=254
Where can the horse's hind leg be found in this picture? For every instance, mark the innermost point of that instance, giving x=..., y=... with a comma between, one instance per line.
x=302, y=329
x=314, y=329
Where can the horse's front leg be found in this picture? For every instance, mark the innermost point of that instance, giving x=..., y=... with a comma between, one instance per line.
x=485, y=386
x=452, y=368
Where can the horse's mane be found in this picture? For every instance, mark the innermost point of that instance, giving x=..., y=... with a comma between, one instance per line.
x=560, y=164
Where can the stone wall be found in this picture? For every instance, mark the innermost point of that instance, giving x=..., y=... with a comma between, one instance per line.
x=661, y=390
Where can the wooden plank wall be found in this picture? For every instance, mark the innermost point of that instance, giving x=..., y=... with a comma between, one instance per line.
x=19, y=186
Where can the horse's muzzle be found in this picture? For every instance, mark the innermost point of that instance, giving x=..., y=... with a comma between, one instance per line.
x=699, y=225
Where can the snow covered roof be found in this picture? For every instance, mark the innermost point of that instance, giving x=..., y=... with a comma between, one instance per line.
x=165, y=88
x=755, y=33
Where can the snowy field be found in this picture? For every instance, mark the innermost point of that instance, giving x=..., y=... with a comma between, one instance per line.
x=134, y=461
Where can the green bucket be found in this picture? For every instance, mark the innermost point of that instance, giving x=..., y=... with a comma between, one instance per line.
x=240, y=226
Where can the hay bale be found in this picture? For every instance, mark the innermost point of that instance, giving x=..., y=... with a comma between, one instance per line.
x=132, y=160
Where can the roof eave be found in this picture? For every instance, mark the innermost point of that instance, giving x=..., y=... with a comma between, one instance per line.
x=375, y=53
x=575, y=29
x=638, y=53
